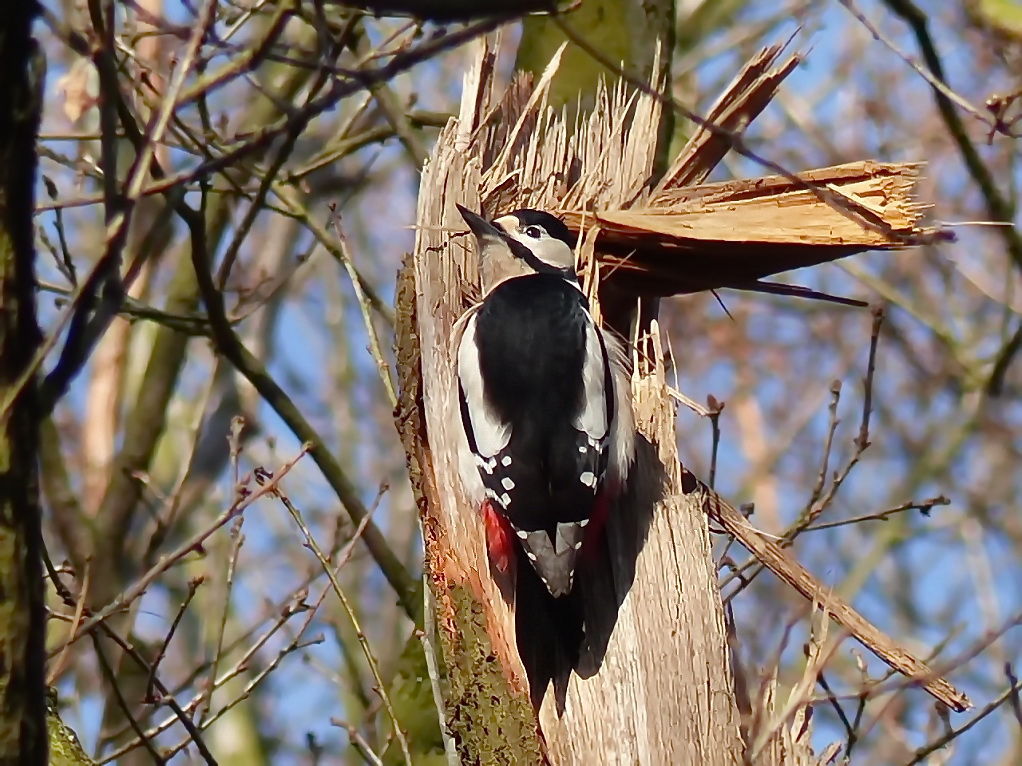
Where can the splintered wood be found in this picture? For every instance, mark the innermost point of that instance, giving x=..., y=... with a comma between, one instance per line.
x=686, y=236
x=658, y=687
x=735, y=233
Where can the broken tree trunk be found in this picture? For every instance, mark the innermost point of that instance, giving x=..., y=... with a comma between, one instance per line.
x=633, y=707
x=657, y=685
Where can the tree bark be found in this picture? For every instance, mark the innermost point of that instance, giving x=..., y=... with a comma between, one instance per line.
x=658, y=686
x=22, y=615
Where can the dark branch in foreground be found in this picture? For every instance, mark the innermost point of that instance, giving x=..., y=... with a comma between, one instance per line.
x=454, y=10
x=22, y=606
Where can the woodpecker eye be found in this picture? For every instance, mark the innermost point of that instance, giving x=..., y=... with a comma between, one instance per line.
x=533, y=231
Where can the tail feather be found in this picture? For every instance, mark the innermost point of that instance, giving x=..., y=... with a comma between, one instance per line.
x=554, y=556
x=549, y=634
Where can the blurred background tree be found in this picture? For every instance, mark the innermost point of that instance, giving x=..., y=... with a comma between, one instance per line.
x=203, y=623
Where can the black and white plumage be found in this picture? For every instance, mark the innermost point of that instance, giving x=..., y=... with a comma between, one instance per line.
x=544, y=404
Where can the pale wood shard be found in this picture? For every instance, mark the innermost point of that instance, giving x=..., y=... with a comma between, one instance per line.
x=773, y=210
x=686, y=236
x=744, y=98
x=780, y=561
x=734, y=233
x=779, y=731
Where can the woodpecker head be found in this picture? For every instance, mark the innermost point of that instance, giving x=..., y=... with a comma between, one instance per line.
x=520, y=243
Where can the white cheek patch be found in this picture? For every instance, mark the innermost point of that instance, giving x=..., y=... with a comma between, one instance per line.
x=552, y=251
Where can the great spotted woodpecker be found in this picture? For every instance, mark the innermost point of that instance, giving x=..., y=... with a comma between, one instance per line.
x=549, y=438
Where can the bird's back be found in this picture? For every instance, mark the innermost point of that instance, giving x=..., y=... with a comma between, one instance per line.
x=531, y=334
x=532, y=338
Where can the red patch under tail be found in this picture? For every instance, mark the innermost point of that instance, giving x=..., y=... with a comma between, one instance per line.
x=598, y=518
x=499, y=539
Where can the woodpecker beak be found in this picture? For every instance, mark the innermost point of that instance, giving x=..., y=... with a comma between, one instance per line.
x=482, y=228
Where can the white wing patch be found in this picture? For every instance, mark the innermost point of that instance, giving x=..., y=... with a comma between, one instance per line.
x=491, y=434
x=622, y=436
x=592, y=420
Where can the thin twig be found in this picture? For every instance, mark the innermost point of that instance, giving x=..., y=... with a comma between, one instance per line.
x=935, y=82
x=183, y=714
x=79, y=605
x=925, y=506
x=111, y=677
x=237, y=540
x=83, y=334
x=714, y=408
x=193, y=587
x=363, y=641
x=231, y=347
x=179, y=714
x=358, y=742
x=1000, y=208
x=953, y=733
x=821, y=478
x=1016, y=704
x=382, y=367
x=832, y=698
x=862, y=442
x=193, y=543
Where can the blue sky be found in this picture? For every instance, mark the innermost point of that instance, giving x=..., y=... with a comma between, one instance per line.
x=385, y=215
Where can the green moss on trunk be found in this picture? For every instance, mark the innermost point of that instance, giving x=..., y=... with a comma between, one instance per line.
x=491, y=722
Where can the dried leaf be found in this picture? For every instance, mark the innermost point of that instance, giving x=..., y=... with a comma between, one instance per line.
x=79, y=87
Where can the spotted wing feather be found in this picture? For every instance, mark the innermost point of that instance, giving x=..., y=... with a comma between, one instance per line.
x=538, y=433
